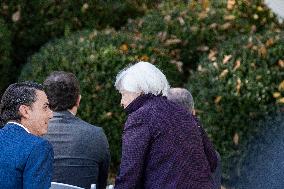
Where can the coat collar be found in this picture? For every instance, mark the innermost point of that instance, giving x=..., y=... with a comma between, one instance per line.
x=139, y=102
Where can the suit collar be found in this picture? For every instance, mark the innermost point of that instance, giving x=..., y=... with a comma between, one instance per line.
x=63, y=114
x=20, y=125
x=13, y=126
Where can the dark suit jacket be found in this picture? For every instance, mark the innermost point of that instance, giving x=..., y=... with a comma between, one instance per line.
x=81, y=151
x=25, y=159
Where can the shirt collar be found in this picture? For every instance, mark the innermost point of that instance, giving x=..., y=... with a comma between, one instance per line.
x=20, y=125
x=71, y=112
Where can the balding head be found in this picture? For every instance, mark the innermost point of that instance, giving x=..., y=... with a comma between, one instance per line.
x=181, y=96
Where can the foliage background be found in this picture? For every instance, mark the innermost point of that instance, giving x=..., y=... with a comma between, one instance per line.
x=228, y=53
x=95, y=58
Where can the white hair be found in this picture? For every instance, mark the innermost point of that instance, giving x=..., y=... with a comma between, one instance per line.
x=142, y=77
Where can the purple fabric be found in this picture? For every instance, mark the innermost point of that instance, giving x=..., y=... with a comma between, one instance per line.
x=162, y=147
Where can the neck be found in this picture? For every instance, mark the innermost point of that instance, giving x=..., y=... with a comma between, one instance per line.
x=73, y=110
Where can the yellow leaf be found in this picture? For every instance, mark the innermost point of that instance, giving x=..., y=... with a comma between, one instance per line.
x=259, y=8
x=212, y=55
x=124, y=48
x=230, y=4
x=203, y=48
x=255, y=16
x=224, y=73
x=181, y=21
x=194, y=28
x=281, y=86
x=167, y=18
x=281, y=100
x=225, y=26
x=236, y=139
x=98, y=87
x=226, y=59
x=276, y=94
x=262, y=51
x=81, y=39
x=281, y=63
x=258, y=77
x=238, y=87
x=85, y=7
x=178, y=64
x=215, y=65
x=253, y=65
x=237, y=65
x=229, y=17
x=172, y=42
x=109, y=114
x=202, y=15
x=217, y=99
x=144, y=58
x=213, y=26
x=269, y=42
x=205, y=4
x=162, y=36
x=16, y=16
x=200, y=68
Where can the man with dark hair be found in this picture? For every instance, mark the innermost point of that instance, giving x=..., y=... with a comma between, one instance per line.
x=25, y=158
x=184, y=98
x=81, y=149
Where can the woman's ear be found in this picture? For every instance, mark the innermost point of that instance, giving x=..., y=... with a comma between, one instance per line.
x=24, y=111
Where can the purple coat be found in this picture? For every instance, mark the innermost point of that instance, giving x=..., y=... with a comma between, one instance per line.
x=162, y=147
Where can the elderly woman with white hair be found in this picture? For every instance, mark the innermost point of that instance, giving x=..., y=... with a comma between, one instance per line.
x=161, y=144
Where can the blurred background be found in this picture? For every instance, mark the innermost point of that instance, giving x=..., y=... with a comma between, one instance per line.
x=228, y=53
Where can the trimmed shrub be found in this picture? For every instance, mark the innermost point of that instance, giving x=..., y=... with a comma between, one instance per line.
x=236, y=85
x=190, y=30
x=33, y=23
x=95, y=58
x=254, y=15
x=5, y=62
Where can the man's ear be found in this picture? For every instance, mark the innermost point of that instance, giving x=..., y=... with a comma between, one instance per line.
x=24, y=111
x=193, y=112
x=78, y=101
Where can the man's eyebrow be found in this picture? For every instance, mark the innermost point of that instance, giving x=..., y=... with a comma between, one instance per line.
x=46, y=103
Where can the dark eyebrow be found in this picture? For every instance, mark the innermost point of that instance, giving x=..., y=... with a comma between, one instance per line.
x=46, y=104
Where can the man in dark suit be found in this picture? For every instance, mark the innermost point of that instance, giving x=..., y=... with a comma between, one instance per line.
x=25, y=158
x=184, y=98
x=81, y=152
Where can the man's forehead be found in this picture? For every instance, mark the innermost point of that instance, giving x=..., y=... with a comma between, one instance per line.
x=41, y=96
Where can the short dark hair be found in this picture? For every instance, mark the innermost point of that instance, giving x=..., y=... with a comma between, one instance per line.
x=62, y=90
x=17, y=94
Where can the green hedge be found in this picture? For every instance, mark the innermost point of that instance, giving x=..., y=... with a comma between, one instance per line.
x=190, y=29
x=35, y=22
x=96, y=58
x=254, y=15
x=234, y=86
x=5, y=61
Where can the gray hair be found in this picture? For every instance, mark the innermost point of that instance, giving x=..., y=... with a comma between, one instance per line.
x=142, y=77
x=181, y=96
